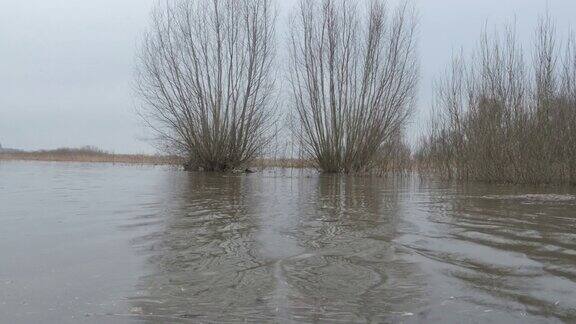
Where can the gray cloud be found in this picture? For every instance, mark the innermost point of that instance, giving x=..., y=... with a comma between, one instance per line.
x=66, y=65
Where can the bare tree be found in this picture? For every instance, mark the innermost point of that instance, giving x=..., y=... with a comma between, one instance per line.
x=353, y=76
x=500, y=119
x=205, y=75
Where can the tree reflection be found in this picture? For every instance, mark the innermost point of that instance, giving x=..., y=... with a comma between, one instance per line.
x=261, y=249
x=204, y=263
x=352, y=270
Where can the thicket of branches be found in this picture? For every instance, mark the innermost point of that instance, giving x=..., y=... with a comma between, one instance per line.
x=206, y=76
x=505, y=117
x=353, y=74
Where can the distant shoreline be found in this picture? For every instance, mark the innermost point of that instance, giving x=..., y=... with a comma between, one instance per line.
x=93, y=155
x=92, y=158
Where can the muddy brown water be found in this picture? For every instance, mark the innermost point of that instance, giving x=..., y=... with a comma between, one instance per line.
x=100, y=243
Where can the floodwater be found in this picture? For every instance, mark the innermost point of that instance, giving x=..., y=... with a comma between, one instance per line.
x=97, y=243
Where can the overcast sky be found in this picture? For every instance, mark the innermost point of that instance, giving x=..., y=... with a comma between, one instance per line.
x=66, y=66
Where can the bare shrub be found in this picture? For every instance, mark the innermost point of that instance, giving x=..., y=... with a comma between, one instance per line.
x=500, y=119
x=353, y=74
x=394, y=157
x=206, y=78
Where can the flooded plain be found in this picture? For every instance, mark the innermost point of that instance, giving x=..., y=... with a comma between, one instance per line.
x=130, y=244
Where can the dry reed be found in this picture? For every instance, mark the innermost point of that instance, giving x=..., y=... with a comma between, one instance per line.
x=92, y=155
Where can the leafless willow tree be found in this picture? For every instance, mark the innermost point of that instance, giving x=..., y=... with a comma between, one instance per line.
x=501, y=119
x=353, y=76
x=206, y=77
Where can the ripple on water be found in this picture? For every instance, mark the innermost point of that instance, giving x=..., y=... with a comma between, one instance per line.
x=163, y=246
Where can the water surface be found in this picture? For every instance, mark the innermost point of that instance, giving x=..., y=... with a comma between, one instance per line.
x=131, y=244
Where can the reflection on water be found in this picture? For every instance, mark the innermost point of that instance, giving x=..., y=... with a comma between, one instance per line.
x=266, y=248
x=169, y=246
x=205, y=259
x=349, y=270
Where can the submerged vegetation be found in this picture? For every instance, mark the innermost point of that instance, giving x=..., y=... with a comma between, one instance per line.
x=207, y=78
x=505, y=116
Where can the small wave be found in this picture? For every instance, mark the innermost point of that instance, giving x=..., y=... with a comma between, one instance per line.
x=534, y=197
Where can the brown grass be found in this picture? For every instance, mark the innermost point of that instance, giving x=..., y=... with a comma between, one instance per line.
x=95, y=155
x=90, y=155
x=400, y=164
